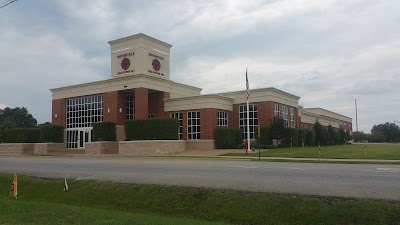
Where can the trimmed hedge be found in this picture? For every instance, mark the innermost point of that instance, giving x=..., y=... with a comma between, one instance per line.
x=22, y=135
x=152, y=129
x=104, y=131
x=52, y=134
x=227, y=138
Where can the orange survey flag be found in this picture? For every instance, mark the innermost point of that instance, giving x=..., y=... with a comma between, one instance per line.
x=14, y=188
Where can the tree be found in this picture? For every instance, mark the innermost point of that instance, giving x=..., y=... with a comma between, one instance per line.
x=302, y=137
x=343, y=136
x=321, y=134
x=310, y=138
x=19, y=116
x=389, y=130
x=333, y=136
x=6, y=124
x=44, y=124
x=359, y=136
x=277, y=128
x=13, y=118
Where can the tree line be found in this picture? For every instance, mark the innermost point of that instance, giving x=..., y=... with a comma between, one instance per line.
x=385, y=132
x=15, y=118
x=286, y=136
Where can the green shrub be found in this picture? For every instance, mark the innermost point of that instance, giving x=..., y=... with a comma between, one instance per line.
x=22, y=135
x=227, y=138
x=152, y=129
x=265, y=146
x=302, y=137
x=52, y=134
x=104, y=131
x=265, y=137
x=290, y=135
x=310, y=138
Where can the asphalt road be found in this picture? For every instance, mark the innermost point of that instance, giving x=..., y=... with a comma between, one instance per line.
x=342, y=180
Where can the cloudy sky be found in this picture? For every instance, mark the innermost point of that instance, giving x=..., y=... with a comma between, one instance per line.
x=327, y=52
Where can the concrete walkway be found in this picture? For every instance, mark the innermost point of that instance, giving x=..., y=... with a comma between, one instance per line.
x=216, y=153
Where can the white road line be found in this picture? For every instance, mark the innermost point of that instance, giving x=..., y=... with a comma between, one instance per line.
x=294, y=168
x=247, y=167
x=388, y=169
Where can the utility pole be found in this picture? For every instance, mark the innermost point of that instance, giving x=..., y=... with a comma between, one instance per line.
x=355, y=100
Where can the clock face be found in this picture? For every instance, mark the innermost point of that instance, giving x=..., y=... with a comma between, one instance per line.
x=125, y=64
x=156, y=64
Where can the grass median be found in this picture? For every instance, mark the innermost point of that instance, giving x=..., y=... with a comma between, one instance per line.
x=43, y=201
x=354, y=151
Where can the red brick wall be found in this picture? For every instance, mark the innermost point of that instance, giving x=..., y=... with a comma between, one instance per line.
x=152, y=104
x=141, y=103
x=208, y=122
x=262, y=113
x=59, y=108
x=307, y=126
x=348, y=126
x=265, y=113
x=156, y=104
x=298, y=124
x=121, y=105
x=233, y=117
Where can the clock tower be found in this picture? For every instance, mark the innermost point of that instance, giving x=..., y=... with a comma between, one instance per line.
x=139, y=54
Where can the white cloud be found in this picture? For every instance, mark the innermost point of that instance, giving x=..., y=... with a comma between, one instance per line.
x=34, y=64
x=328, y=52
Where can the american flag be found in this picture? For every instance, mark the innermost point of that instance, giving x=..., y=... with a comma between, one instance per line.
x=247, y=87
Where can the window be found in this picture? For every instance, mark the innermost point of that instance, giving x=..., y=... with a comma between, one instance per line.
x=179, y=116
x=285, y=115
x=276, y=110
x=222, y=119
x=83, y=112
x=130, y=107
x=253, y=120
x=292, y=120
x=193, y=125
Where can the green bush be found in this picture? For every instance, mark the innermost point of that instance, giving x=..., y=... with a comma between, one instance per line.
x=152, y=129
x=310, y=138
x=265, y=137
x=227, y=138
x=265, y=146
x=22, y=135
x=52, y=134
x=104, y=131
x=290, y=135
x=302, y=137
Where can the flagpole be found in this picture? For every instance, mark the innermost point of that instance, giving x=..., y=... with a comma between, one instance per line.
x=248, y=114
x=248, y=126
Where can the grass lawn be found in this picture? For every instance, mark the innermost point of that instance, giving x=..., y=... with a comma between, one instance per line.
x=354, y=151
x=42, y=201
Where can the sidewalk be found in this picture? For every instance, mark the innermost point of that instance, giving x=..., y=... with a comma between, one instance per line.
x=216, y=153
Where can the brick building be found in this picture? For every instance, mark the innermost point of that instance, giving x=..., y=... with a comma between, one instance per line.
x=140, y=88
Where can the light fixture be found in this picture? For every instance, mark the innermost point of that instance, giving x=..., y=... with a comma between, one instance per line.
x=120, y=110
x=55, y=115
x=108, y=110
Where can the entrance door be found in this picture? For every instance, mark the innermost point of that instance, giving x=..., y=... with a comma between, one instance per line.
x=81, y=139
x=76, y=138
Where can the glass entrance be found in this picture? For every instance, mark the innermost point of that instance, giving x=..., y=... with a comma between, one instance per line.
x=76, y=138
